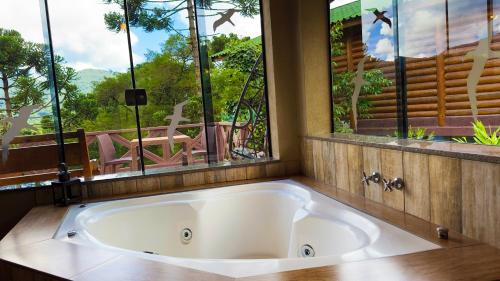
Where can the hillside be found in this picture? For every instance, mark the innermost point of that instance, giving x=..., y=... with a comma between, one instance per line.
x=87, y=77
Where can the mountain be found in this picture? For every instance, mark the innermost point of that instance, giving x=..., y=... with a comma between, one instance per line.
x=86, y=78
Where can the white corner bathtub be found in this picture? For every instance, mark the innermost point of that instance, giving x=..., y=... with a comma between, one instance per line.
x=239, y=230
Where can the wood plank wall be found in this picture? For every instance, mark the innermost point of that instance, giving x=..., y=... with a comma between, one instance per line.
x=189, y=180
x=461, y=194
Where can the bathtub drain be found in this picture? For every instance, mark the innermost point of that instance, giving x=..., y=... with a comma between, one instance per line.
x=186, y=235
x=307, y=251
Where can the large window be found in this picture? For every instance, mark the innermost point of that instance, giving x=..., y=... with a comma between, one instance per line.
x=27, y=94
x=200, y=63
x=416, y=69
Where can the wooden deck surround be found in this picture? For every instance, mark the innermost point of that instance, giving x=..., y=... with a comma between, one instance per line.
x=28, y=252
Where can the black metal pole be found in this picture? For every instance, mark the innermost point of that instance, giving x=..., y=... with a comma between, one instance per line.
x=132, y=74
x=330, y=70
x=400, y=65
x=44, y=9
x=268, y=124
x=208, y=111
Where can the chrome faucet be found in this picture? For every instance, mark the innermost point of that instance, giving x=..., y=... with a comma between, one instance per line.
x=396, y=183
x=374, y=177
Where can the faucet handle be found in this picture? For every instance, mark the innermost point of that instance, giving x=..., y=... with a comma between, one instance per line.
x=398, y=183
x=387, y=185
x=365, y=179
x=375, y=177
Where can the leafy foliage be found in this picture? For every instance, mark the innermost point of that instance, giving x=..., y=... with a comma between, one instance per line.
x=343, y=86
x=24, y=75
x=168, y=79
x=219, y=42
x=151, y=15
x=482, y=135
x=241, y=55
x=417, y=133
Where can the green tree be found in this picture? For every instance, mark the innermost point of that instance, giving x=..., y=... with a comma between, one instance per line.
x=77, y=109
x=151, y=16
x=228, y=77
x=20, y=61
x=166, y=76
x=24, y=72
x=220, y=42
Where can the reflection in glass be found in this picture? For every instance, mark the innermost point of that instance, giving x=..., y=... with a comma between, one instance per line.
x=448, y=55
x=363, y=67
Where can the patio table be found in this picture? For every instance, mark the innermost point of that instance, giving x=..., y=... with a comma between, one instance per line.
x=164, y=142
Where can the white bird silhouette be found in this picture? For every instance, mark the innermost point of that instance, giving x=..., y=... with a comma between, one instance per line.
x=480, y=55
x=225, y=17
x=18, y=123
x=358, y=81
x=175, y=119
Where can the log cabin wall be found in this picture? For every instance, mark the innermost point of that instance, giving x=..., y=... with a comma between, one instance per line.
x=461, y=194
x=436, y=86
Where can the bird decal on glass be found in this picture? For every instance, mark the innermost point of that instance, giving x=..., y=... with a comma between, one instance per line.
x=359, y=82
x=480, y=56
x=225, y=17
x=380, y=16
x=18, y=123
x=175, y=119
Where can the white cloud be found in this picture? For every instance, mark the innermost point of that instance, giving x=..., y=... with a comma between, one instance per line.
x=78, y=28
x=385, y=49
x=243, y=26
x=418, y=30
x=78, y=31
x=80, y=35
x=23, y=16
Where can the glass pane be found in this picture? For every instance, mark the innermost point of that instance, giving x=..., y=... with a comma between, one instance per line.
x=234, y=89
x=453, y=55
x=93, y=64
x=26, y=103
x=167, y=67
x=363, y=67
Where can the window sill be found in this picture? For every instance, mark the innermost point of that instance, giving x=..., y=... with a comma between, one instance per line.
x=475, y=152
x=178, y=170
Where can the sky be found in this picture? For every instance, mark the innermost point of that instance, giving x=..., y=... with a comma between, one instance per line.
x=80, y=35
x=377, y=37
x=338, y=3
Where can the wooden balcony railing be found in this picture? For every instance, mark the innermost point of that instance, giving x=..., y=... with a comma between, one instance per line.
x=122, y=139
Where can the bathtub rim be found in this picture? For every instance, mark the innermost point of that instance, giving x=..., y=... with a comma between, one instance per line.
x=327, y=260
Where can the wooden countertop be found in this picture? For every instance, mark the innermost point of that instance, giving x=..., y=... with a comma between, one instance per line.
x=29, y=247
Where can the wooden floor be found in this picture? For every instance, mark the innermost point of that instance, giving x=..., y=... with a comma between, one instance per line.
x=28, y=252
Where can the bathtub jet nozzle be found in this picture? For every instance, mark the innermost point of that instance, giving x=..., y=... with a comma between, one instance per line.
x=307, y=251
x=72, y=233
x=186, y=235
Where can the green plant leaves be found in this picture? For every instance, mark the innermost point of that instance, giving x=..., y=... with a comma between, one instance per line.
x=482, y=135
